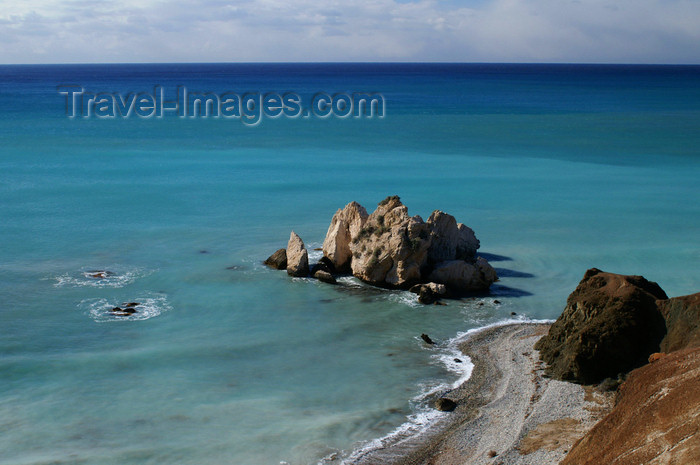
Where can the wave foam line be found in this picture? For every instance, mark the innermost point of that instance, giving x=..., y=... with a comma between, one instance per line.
x=427, y=418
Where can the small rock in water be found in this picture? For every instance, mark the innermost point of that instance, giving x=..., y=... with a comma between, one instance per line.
x=440, y=302
x=513, y=313
x=480, y=304
x=496, y=302
x=325, y=277
x=427, y=339
x=130, y=304
x=458, y=360
x=324, y=264
x=277, y=260
x=100, y=274
x=297, y=257
x=318, y=248
x=445, y=405
x=123, y=311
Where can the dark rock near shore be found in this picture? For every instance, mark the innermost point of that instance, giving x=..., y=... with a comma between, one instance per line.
x=426, y=296
x=429, y=293
x=445, y=405
x=131, y=304
x=427, y=339
x=682, y=315
x=611, y=324
x=277, y=260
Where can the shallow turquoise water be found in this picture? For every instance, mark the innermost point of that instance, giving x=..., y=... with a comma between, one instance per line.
x=556, y=171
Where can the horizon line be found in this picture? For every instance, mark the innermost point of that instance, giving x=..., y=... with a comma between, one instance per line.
x=562, y=63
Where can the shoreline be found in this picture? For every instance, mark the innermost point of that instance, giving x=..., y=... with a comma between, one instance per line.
x=508, y=412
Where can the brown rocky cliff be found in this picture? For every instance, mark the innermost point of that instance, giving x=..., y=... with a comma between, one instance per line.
x=682, y=315
x=611, y=324
x=656, y=420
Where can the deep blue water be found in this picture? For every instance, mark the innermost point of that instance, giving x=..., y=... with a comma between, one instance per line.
x=557, y=168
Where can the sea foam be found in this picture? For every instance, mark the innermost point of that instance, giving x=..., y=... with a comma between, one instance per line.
x=113, y=276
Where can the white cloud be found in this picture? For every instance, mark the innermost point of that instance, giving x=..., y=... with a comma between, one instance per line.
x=652, y=31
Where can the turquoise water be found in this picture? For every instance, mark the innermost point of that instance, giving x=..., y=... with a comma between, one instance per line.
x=556, y=168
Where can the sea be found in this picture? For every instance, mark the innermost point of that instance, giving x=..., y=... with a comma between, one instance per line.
x=557, y=169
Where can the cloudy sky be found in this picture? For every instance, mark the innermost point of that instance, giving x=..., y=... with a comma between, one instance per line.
x=604, y=31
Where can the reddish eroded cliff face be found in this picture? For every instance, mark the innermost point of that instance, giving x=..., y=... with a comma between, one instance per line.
x=656, y=420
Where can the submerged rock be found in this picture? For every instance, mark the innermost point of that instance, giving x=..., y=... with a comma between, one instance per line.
x=99, y=274
x=277, y=260
x=297, y=256
x=610, y=325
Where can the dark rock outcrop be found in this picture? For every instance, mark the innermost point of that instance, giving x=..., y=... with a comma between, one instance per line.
x=123, y=311
x=682, y=315
x=445, y=405
x=611, y=324
x=656, y=420
x=324, y=264
x=427, y=339
x=277, y=260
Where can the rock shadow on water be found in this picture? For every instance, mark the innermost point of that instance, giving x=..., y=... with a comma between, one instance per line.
x=492, y=257
x=237, y=268
x=507, y=273
x=499, y=290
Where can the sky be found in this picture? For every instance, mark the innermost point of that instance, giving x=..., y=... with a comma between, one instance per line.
x=552, y=31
